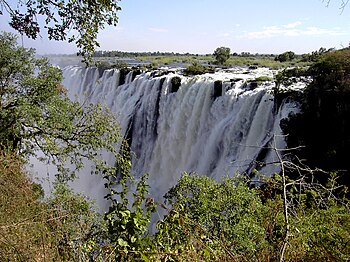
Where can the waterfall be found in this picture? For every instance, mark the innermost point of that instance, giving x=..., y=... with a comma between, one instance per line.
x=215, y=124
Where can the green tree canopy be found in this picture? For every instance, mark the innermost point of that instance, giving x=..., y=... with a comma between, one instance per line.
x=332, y=71
x=36, y=114
x=75, y=21
x=222, y=54
x=286, y=56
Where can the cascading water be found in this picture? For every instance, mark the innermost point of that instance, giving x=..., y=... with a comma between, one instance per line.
x=215, y=124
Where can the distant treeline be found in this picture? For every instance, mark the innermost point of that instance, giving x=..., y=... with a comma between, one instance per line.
x=136, y=54
x=142, y=54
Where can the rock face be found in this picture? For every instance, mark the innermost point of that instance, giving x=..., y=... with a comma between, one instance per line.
x=175, y=84
x=217, y=89
x=323, y=131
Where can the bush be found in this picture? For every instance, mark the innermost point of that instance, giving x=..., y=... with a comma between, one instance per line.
x=196, y=69
x=286, y=56
x=230, y=221
x=207, y=221
x=332, y=71
x=32, y=228
x=261, y=79
x=219, y=215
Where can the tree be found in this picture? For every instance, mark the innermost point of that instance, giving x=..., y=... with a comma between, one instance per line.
x=226, y=214
x=286, y=56
x=36, y=114
x=84, y=18
x=316, y=55
x=331, y=71
x=222, y=54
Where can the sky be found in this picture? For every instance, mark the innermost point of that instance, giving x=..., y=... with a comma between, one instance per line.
x=200, y=26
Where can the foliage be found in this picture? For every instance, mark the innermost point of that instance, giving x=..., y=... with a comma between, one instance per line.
x=196, y=69
x=255, y=82
x=289, y=76
x=175, y=59
x=126, y=222
x=261, y=79
x=315, y=55
x=332, y=71
x=33, y=228
x=65, y=227
x=286, y=56
x=84, y=18
x=228, y=220
x=221, y=54
x=76, y=229
x=225, y=216
x=325, y=115
x=36, y=114
x=207, y=221
x=317, y=216
x=265, y=61
x=120, y=65
x=168, y=59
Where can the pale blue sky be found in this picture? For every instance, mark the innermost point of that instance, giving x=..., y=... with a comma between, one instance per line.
x=199, y=26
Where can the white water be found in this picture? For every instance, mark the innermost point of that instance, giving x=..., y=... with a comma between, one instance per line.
x=188, y=130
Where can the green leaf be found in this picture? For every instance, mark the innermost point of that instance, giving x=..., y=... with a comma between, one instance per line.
x=144, y=257
x=122, y=242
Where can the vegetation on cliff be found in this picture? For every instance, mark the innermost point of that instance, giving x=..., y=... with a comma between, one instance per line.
x=323, y=127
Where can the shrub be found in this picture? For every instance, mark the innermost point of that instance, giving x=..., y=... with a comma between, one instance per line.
x=196, y=69
x=286, y=56
x=32, y=228
x=219, y=215
x=332, y=71
x=260, y=79
x=230, y=221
